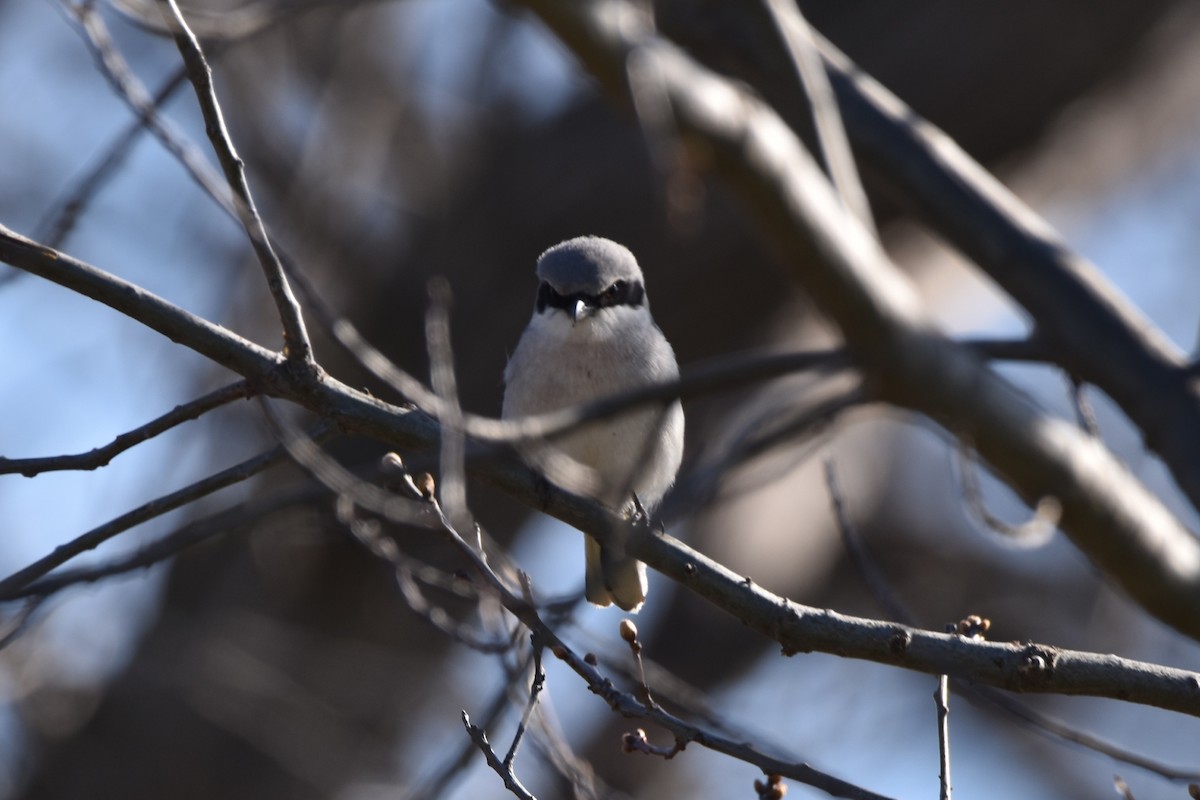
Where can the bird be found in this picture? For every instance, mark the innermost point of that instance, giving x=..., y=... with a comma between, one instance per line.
x=591, y=335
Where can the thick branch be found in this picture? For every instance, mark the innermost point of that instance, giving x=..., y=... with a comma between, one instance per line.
x=1119, y=524
x=1093, y=330
x=797, y=628
x=1015, y=666
x=226, y=348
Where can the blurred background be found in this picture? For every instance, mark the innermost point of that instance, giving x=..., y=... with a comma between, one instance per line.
x=388, y=143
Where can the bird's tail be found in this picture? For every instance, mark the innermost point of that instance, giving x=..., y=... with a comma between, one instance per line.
x=610, y=579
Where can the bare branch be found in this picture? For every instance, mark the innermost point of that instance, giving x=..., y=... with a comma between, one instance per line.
x=1018, y=667
x=114, y=68
x=796, y=627
x=983, y=696
x=1033, y=532
x=21, y=621
x=441, y=779
x=941, y=698
x=1124, y=528
x=297, y=348
x=101, y=456
x=479, y=737
x=833, y=146
x=1094, y=331
x=223, y=523
x=215, y=342
x=536, y=685
x=59, y=220
x=11, y=586
x=453, y=484
x=629, y=706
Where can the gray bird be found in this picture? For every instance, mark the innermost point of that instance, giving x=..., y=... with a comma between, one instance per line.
x=592, y=335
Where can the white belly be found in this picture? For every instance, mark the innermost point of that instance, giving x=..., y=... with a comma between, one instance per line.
x=557, y=364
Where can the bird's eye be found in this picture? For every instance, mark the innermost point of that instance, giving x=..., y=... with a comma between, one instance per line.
x=614, y=291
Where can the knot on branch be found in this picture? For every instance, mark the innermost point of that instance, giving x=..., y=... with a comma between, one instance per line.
x=1036, y=664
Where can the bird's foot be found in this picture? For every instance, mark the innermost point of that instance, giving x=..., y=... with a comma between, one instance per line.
x=640, y=516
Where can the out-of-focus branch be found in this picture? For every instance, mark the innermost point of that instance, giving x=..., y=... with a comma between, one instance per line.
x=984, y=696
x=1107, y=512
x=834, y=147
x=101, y=456
x=114, y=68
x=297, y=348
x=502, y=768
x=213, y=341
x=1028, y=668
x=226, y=522
x=11, y=586
x=624, y=703
x=60, y=219
x=1093, y=330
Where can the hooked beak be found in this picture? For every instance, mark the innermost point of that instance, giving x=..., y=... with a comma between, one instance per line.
x=579, y=311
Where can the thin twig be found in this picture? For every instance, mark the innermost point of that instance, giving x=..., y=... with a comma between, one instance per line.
x=101, y=456
x=297, y=348
x=1033, y=532
x=368, y=533
x=115, y=69
x=57, y=223
x=1122, y=788
x=1085, y=415
x=440, y=780
x=983, y=696
x=856, y=547
x=832, y=143
x=479, y=737
x=223, y=523
x=453, y=485
x=629, y=634
x=21, y=621
x=1057, y=730
x=11, y=586
x=536, y=685
x=622, y=702
x=341, y=481
x=941, y=699
x=714, y=477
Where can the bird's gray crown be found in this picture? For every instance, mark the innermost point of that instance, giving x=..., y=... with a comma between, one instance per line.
x=587, y=265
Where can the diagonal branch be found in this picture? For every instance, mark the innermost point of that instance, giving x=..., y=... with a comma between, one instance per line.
x=626, y=704
x=1107, y=512
x=827, y=119
x=798, y=628
x=11, y=585
x=297, y=348
x=101, y=456
x=1094, y=331
x=213, y=341
x=236, y=519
